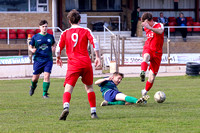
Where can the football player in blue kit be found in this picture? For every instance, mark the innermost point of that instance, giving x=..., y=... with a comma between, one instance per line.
x=111, y=94
x=42, y=45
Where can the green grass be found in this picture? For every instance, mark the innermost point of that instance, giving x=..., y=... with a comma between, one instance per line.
x=20, y=112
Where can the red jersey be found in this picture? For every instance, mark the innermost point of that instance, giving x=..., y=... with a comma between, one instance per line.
x=75, y=39
x=154, y=41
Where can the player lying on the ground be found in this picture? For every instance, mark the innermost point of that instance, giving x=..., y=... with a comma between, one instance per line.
x=111, y=94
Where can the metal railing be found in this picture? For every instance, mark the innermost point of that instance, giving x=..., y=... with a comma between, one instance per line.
x=114, y=46
x=8, y=28
x=168, y=38
x=178, y=27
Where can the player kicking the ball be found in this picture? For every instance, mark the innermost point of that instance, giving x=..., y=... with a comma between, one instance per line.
x=111, y=94
x=152, y=51
x=42, y=45
x=75, y=39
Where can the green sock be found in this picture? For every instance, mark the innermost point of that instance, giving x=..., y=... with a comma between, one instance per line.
x=34, y=84
x=45, y=87
x=130, y=99
x=116, y=103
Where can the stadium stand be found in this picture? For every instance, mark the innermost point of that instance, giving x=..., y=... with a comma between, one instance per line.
x=12, y=31
x=189, y=19
x=155, y=19
x=50, y=31
x=21, y=34
x=12, y=36
x=189, y=30
x=172, y=19
x=172, y=29
x=30, y=31
x=37, y=31
x=196, y=24
x=3, y=36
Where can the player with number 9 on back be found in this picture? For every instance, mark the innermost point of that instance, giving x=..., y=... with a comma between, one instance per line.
x=75, y=39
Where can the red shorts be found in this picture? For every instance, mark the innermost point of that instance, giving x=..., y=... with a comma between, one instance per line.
x=155, y=60
x=73, y=75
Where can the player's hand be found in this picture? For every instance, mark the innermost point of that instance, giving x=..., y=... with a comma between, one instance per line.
x=145, y=24
x=97, y=62
x=33, y=50
x=109, y=78
x=59, y=62
x=53, y=49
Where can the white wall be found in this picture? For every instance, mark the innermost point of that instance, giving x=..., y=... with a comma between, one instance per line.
x=168, y=4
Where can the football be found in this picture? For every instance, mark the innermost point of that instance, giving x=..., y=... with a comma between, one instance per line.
x=159, y=97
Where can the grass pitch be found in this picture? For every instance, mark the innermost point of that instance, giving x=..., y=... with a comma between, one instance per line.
x=20, y=112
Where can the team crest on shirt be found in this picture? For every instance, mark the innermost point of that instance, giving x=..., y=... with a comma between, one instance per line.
x=149, y=35
x=48, y=40
x=43, y=46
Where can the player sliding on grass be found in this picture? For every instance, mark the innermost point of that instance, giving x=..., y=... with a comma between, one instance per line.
x=111, y=94
x=75, y=39
x=152, y=50
x=42, y=45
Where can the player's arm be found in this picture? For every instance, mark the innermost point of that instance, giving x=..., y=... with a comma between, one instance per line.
x=32, y=49
x=97, y=60
x=31, y=46
x=156, y=30
x=95, y=44
x=99, y=81
x=59, y=48
x=53, y=47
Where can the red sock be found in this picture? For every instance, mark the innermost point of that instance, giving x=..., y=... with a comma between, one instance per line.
x=66, y=97
x=148, y=85
x=144, y=66
x=92, y=99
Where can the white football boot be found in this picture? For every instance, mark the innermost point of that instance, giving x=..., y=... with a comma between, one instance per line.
x=144, y=92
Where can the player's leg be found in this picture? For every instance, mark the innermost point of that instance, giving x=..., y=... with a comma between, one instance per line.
x=66, y=101
x=70, y=82
x=33, y=83
x=87, y=79
x=149, y=83
x=105, y=103
x=46, y=82
x=144, y=66
x=92, y=100
x=123, y=97
x=154, y=67
x=38, y=68
x=130, y=99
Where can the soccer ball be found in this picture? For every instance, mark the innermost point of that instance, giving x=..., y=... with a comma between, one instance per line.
x=159, y=97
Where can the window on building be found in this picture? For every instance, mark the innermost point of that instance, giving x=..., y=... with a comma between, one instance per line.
x=82, y=5
x=108, y=4
x=23, y=6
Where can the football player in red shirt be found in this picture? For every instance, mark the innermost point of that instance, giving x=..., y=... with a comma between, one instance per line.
x=75, y=39
x=152, y=50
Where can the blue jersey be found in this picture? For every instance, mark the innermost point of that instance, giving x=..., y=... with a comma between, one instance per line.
x=107, y=85
x=43, y=45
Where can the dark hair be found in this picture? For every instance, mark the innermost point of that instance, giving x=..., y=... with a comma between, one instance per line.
x=146, y=15
x=118, y=73
x=74, y=16
x=42, y=22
